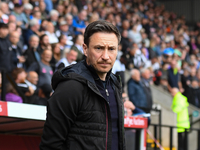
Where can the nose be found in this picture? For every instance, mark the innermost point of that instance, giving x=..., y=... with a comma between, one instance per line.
x=105, y=55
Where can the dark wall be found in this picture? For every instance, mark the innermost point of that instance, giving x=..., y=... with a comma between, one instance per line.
x=189, y=8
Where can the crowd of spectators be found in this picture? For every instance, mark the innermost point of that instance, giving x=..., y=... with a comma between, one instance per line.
x=37, y=37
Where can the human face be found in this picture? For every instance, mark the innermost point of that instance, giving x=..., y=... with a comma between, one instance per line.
x=47, y=55
x=136, y=75
x=46, y=41
x=69, y=20
x=12, y=27
x=34, y=42
x=22, y=76
x=101, y=52
x=71, y=56
x=57, y=49
x=14, y=38
x=33, y=78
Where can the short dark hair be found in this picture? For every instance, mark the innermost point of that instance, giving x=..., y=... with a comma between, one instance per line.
x=42, y=37
x=3, y=26
x=100, y=26
x=17, y=71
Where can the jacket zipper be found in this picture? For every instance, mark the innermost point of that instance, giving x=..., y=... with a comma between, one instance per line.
x=107, y=94
x=106, y=127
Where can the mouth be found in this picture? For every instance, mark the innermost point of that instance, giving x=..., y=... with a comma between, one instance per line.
x=104, y=64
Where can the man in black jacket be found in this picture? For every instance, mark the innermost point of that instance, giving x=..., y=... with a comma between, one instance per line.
x=5, y=49
x=85, y=111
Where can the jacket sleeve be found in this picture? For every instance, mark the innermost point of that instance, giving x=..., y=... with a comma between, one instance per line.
x=62, y=110
x=131, y=92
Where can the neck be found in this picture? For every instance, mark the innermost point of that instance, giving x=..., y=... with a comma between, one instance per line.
x=43, y=46
x=102, y=76
x=45, y=62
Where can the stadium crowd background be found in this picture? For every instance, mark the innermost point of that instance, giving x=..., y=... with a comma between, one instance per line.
x=37, y=37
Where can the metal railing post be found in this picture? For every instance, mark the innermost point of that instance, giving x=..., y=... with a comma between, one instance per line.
x=160, y=123
x=198, y=139
x=171, y=138
x=155, y=135
x=3, y=85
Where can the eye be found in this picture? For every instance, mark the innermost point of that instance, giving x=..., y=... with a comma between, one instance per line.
x=98, y=48
x=111, y=48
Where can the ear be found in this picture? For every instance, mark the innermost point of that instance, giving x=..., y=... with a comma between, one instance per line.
x=85, y=49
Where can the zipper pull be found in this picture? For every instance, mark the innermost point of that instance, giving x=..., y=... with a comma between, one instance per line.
x=107, y=92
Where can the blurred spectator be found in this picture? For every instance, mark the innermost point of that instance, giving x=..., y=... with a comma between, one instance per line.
x=78, y=42
x=42, y=7
x=177, y=56
x=19, y=76
x=44, y=42
x=119, y=69
x=192, y=45
x=12, y=18
x=20, y=16
x=12, y=95
x=60, y=8
x=12, y=26
x=31, y=54
x=28, y=10
x=5, y=48
x=17, y=58
x=174, y=78
x=167, y=55
x=70, y=58
x=65, y=42
x=43, y=94
x=145, y=80
x=56, y=55
x=32, y=30
x=50, y=33
x=125, y=42
x=63, y=29
x=136, y=91
x=32, y=79
x=49, y=5
x=79, y=22
x=54, y=18
x=69, y=19
x=194, y=93
x=4, y=12
x=185, y=81
x=43, y=68
x=137, y=58
x=135, y=36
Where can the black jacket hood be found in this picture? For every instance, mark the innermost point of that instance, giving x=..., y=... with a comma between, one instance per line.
x=78, y=72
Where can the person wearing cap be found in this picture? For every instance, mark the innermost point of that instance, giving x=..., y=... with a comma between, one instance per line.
x=63, y=29
x=167, y=55
x=180, y=107
x=85, y=112
x=20, y=16
x=177, y=55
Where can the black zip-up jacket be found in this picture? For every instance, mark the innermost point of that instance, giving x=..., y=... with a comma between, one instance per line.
x=78, y=116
